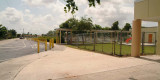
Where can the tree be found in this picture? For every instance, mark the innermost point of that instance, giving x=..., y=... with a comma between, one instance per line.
x=11, y=33
x=115, y=26
x=84, y=24
x=18, y=35
x=69, y=24
x=71, y=5
x=77, y=25
x=50, y=33
x=127, y=27
x=97, y=27
x=73, y=22
x=106, y=28
x=3, y=32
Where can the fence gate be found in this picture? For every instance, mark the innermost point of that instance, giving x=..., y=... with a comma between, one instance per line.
x=148, y=45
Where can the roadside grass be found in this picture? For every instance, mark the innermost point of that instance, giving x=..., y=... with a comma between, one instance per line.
x=107, y=49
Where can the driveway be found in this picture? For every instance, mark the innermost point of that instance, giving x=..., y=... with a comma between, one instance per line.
x=66, y=63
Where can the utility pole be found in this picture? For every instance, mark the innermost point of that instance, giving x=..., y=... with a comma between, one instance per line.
x=23, y=33
x=23, y=30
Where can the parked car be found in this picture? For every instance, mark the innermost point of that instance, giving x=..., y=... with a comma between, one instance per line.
x=21, y=37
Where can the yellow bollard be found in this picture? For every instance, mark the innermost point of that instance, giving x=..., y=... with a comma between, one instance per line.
x=46, y=45
x=53, y=43
x=50, y=43
x=38, y=46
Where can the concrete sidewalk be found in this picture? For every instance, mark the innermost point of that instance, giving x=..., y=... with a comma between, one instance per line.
x=11, y=68
x=66, y=63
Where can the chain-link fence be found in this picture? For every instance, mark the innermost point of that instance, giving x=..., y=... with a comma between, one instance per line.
x=111, y=42
x=149, y=40
x=114, y=42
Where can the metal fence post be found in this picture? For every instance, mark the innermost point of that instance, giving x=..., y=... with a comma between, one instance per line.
x=84, y=41
x=143, y=38
x=50, y=43
x=78, y=41
x=155, y=42
x=102, y=42
x=46, y=45
x=121, y=43
x=38, y=46
x=112, y=41
x=94, y=42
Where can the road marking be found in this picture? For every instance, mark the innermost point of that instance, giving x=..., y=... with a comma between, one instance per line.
x=14, y=48
x=5, y=60
x=35, y=45
x=24, y=44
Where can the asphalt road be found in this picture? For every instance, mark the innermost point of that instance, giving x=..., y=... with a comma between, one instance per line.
x=18, y=48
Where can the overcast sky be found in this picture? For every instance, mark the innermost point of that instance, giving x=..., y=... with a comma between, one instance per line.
x=40, y=16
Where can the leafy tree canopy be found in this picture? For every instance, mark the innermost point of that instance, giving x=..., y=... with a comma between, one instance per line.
x=69, y=23
x=84, y=24
x=127, y=27
x=106, y=28
x=97, y=27
x=77, y=25
x=71, y=5
x=50, y=33
x=11, y=33
x=3, y=31
x=115, y=26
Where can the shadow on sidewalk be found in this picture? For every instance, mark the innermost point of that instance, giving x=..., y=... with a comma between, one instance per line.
x=148, y=59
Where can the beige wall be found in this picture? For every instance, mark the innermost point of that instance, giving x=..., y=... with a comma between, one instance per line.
x=141, y=9
x=158, y=42
x=148, y=10
x=154, y=8
x=150, y=30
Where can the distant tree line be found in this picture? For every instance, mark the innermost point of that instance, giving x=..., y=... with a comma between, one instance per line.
x=7, y=34
x=87, y=24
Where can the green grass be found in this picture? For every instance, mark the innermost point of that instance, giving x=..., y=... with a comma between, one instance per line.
x=107, y=48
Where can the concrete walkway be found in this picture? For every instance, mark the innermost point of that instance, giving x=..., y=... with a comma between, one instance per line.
x=66, y=63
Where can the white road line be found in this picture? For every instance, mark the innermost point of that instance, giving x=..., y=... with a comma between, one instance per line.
x=19, y=47
x=5, y=60
x=14, y=46
x=24, y=44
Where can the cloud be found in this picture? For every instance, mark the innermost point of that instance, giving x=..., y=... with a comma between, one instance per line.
x=34, y=23
x=39, y=3
x=51, y=14
x=27, y=10
x=15, y=19
x=11, y=15
x=110, y=11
